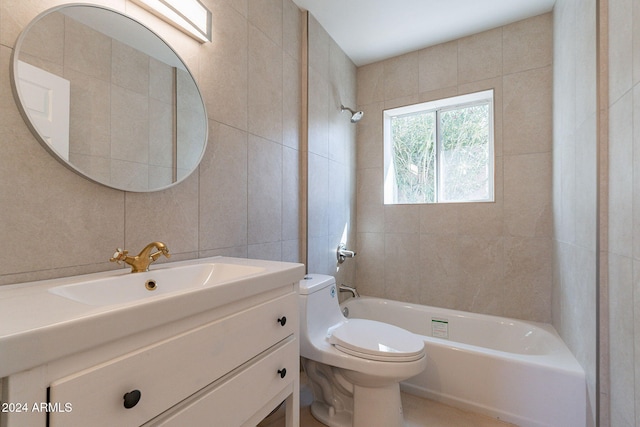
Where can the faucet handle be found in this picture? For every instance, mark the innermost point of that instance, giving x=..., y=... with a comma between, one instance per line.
x=119, y=255
x=162, y=250
x=343, y=253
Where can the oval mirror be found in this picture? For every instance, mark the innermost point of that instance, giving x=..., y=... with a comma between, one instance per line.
x=109, y=98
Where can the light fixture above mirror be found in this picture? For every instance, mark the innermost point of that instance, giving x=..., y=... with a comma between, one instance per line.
x=190, y=16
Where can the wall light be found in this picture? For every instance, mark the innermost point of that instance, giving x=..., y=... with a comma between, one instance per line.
x=190, y=16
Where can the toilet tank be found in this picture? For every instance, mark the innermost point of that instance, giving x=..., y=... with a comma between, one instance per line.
x=315, y=282
x=319, y=310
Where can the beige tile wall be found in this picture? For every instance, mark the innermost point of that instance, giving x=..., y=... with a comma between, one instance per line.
x=623, y=221
x=243, y=199
x=331, y=157
x=487, y=257
x=575, y=176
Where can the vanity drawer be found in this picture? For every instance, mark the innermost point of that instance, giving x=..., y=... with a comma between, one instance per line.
x=169, y=371
x=233, y=400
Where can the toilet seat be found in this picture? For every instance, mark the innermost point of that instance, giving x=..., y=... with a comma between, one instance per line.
x=373, y=340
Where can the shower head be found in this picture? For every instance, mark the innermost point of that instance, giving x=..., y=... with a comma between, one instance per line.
x=355, y=115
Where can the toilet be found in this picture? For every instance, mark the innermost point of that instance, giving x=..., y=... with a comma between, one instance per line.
x=354, y=366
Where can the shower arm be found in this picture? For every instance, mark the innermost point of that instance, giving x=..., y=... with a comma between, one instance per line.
x=355, y=115
x=343, y=108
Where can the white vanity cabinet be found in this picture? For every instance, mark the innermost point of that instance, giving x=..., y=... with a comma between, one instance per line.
x=229, y=366
x=163, y=374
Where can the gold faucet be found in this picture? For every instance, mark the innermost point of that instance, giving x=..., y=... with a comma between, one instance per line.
x=141, y=262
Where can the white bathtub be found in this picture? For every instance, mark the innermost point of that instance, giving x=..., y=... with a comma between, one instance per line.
x=515, y=371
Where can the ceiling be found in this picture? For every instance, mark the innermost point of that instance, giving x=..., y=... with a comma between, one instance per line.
x=371, y=30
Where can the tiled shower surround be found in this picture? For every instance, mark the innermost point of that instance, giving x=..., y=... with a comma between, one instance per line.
x=332, y=156
x=492, y=258
x=575, y=175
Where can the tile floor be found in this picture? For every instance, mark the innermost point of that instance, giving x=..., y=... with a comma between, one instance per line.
x=418, y=412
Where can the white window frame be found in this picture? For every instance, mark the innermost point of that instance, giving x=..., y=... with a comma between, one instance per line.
x=437, y=106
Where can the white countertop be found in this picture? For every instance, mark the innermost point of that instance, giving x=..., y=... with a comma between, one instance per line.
x=37, y=326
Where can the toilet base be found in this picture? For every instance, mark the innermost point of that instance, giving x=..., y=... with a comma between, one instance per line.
x=372, y=407
x=326, y=415
x=377, y=406
x=346, y=398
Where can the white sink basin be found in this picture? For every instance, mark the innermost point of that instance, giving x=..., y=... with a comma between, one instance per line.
x=129, y=287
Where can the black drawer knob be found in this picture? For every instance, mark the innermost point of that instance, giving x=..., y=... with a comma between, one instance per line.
x=282, y=372
x=282, y=320
x=132, y=398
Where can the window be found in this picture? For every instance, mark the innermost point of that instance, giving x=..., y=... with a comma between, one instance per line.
x=440, y=151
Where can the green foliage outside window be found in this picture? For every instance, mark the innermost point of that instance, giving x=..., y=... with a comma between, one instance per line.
x=465, y=153
x=414, y=150
x=457, y=170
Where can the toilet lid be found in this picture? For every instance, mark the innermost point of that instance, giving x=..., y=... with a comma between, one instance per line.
x=374, y=340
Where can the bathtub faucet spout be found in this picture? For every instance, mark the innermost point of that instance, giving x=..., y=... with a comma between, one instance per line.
x=351, y=289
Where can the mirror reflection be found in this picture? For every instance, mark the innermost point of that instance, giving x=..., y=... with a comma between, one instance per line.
x=109, y=98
